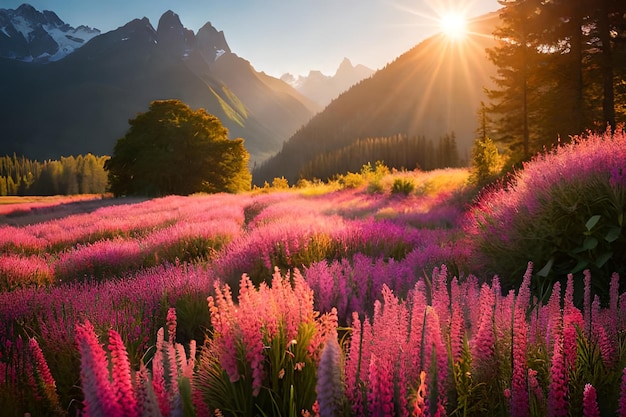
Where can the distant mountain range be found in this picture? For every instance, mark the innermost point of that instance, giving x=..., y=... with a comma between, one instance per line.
x=29, y=35
x=323, y=88
x=79, y=100
x=69, y=91
x=432, y=90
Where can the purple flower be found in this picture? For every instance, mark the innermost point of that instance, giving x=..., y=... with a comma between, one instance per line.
x=329, y=385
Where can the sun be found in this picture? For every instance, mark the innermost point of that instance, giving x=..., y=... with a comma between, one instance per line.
x=453, y=25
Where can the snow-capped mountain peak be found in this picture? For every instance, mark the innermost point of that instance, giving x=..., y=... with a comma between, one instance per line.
x=28, y=35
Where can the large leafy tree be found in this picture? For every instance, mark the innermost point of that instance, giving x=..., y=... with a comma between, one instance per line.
x=172, y=149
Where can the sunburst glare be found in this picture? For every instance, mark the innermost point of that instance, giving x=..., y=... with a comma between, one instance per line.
x=447, y=66
x=453, y=25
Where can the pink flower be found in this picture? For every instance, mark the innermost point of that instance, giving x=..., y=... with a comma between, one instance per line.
x=519, y=390
x=533, y=384
x=483, y=345
x=435, y=349
x=590, y=402
x=100, y=399
x=353, y=366
x=122, y=383
x=572, y=323
x=613, y=304
x=44, y=374
x=380, y=392
x=158, y=375
x=587, y=304
x=607, y=347
x=171, y=325
x=557, y=391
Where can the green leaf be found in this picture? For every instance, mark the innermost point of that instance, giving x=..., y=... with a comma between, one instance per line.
x=590, y=243
x=593, y=220
x=546, y=269
x=602, y=259
x=613, y=234
x=582, y=264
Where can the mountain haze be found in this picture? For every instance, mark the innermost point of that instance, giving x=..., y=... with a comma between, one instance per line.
x=323, y=88
x=432, y=90
x=82, y=103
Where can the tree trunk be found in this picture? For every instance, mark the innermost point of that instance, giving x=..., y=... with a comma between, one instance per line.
x=606, y=65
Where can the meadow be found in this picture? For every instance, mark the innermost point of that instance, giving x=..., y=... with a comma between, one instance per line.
x=373, y=295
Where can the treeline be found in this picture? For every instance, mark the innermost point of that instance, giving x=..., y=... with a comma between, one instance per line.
x=69, y=175
x=561, y=69
x=398, y=151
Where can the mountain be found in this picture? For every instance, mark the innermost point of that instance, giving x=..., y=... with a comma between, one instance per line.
x=323, y=88
x=434, y=89
x=27, y=34
x=82, y=103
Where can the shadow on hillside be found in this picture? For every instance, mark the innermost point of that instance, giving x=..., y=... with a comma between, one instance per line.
x=42, y=214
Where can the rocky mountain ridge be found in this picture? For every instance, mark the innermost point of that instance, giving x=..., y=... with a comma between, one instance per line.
x=82, y=103
x=29, y=35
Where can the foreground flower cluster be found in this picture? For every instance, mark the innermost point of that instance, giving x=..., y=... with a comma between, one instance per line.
x=432, y=354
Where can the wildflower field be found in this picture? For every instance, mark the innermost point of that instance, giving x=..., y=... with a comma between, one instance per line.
x=380, y=294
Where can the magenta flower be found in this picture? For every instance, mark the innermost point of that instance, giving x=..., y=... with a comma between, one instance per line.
x=483, y=344
x=613, y=305
x=587, y=304
x=100, y=399
x=353, y=366
x=158, y=375
x=380, y=393
x=44, y=374
x=122, y=381
x=171, y=325
x=435, y=353
x=557, y=390
x=519, y=388
x=590, y=402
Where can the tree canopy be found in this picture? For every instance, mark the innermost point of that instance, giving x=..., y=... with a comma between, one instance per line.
x=173, y=149
x=561, y=70
x=83, y=174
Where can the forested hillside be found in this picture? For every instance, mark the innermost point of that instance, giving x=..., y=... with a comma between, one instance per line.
x=400, y=152
x=67, y=176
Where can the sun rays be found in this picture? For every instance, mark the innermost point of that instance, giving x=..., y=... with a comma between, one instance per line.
x=446, y=67
x=453, y=25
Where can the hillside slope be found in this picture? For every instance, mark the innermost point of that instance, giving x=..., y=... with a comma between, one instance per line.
x=83, y=102
x=433, y=89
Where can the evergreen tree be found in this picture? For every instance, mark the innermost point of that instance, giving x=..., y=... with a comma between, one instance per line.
x=561, y=68
x=515, y=58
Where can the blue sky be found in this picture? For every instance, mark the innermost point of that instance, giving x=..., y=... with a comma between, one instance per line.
x=279, y=36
